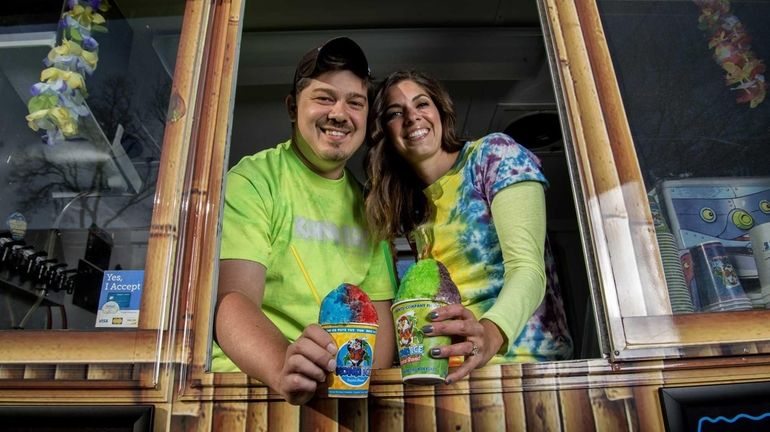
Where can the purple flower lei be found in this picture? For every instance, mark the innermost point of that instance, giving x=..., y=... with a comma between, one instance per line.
x=59, y=99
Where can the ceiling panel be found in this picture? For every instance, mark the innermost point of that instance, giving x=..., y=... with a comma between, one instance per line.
x=319, y=15
x=483, y=54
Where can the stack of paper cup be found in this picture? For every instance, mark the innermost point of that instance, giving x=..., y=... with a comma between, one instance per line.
x=678, y=291
x=760, y=245
x=688, y=268
x=719, y=288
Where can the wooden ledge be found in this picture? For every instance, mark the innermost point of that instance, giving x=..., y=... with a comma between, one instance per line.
x=87, y=347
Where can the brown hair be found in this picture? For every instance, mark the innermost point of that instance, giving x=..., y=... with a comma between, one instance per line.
x=395, y=203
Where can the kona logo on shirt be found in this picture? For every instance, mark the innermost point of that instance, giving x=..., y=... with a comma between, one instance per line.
x=307, y=229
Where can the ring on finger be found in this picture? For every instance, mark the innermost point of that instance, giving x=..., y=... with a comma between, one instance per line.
x=474, y=350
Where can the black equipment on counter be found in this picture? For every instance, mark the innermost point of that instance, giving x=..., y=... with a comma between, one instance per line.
x=25, y=264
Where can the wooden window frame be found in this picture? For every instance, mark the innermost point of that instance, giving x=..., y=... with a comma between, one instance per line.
x=631, y=297
x=141, y=352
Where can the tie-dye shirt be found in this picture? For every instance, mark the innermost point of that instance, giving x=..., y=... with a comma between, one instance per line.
x=461, y=234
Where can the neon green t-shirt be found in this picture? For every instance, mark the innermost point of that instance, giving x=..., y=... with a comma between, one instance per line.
x=281, y=214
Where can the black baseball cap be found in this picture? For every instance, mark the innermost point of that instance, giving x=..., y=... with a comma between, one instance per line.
x=339, y=50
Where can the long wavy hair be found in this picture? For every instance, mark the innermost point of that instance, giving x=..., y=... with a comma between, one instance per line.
x=395, y=203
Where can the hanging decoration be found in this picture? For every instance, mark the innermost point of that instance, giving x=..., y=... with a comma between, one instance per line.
x=732, y=51
x=59, y=98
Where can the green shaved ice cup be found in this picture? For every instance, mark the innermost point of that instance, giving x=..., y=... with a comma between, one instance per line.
x=417, y=365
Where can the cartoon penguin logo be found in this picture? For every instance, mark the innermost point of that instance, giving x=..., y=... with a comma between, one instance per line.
x=354, y=362
x=730, y=276
x=405, y=326
x=357, y=355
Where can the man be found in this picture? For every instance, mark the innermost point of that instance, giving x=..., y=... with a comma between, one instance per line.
x=293, y=230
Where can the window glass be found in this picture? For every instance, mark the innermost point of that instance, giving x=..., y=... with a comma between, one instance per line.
x=84, y=90
x=692, y=78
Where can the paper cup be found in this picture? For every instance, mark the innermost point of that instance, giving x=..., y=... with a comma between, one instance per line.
x=719, y=287
x=417, y=366
x=355, y=354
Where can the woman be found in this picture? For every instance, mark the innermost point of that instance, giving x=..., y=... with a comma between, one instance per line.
x=481, y=205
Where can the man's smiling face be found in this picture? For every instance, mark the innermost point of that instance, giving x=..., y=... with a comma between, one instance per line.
x=331, y=121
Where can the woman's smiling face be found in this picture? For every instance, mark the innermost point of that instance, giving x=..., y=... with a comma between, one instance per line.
x=412, y=122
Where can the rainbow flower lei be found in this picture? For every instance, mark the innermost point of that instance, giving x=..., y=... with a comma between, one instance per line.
x=59, y=98
x=732, y=50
